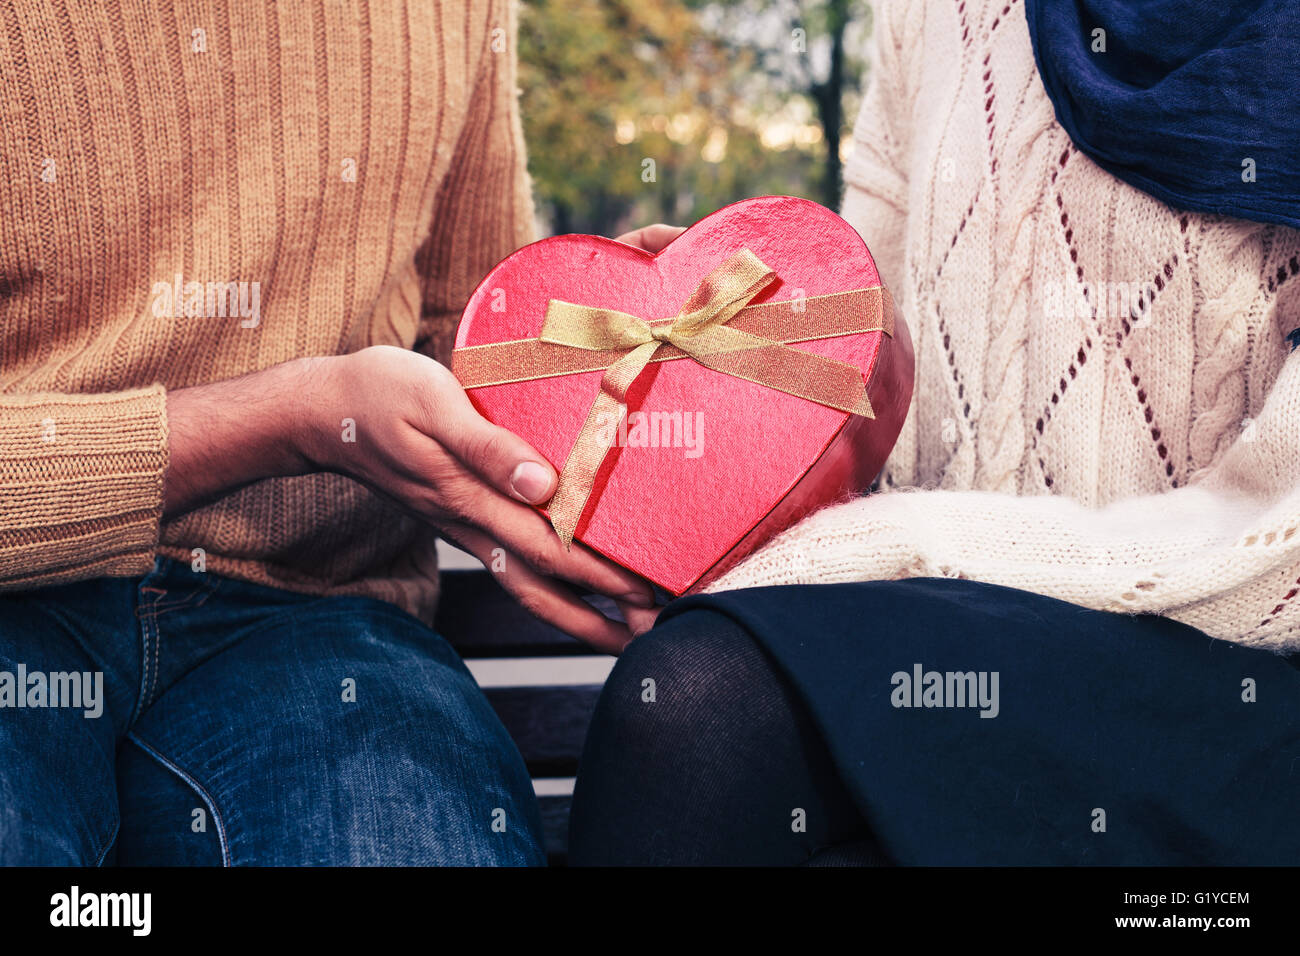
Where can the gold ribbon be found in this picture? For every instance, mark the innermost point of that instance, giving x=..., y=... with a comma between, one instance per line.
x=716, y=327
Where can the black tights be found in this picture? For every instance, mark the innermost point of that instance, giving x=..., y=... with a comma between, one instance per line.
x=716, y=762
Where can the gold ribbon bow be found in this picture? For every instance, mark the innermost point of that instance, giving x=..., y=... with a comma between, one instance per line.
x=716, y=327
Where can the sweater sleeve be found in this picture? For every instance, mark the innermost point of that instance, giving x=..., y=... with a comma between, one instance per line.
x=81, y=485
x=875, y=180
x=483, y=210
x=1221, y=554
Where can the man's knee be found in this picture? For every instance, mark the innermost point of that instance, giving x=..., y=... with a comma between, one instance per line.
x=365, y=741
x=58, y=802
x=442, y=783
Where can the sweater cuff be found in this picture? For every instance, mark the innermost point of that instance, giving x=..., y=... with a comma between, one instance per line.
x=81, y=485
x=871, y=538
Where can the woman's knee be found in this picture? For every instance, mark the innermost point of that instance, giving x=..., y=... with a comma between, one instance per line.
x=699, y=752
x=689, y=676
x=694, y=693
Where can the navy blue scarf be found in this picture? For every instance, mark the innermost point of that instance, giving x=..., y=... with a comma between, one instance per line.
x=1196, y=102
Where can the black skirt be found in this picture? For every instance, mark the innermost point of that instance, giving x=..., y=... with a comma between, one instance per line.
x=977, y=724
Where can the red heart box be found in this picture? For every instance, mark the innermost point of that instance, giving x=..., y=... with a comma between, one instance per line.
x=758, y=459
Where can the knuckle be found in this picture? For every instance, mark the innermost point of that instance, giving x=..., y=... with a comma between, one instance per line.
x=421, y=383
x=440, y=474
x=532, y=601
x=484, y=448
x=546, y=557
x=440, y=378
x=428, y=389
x=457, y=496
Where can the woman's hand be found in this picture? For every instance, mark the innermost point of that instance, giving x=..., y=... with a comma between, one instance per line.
x=652, y=238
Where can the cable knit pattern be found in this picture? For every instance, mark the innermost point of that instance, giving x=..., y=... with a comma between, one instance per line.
x=1106, y=403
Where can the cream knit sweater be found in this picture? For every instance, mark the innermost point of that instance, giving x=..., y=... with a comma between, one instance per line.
x=1070, y=433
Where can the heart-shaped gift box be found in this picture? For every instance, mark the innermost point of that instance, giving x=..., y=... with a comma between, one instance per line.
x=771, y=376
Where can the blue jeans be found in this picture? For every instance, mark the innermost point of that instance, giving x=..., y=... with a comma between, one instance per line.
x=241, y=724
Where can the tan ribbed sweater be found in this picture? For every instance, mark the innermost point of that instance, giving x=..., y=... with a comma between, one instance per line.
x=361, y=162
x=1063, y=437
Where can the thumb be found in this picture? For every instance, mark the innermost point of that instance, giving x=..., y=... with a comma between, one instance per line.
x=638, y=619
x=498, y=456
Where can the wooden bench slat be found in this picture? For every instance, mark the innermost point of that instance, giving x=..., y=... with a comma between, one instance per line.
x=480, y=619
x=549, y=724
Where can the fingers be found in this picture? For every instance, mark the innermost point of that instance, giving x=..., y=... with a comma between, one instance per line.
x=462, y=498
x=459, y=473
x=484, y=473
x=639, y=619
x=653, y=238
x=545, y=599
x=529, y=535
x=501, y=458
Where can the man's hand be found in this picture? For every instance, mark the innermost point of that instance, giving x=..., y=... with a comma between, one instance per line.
x=419, y=442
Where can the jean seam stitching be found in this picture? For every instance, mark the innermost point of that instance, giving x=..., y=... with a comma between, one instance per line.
x=194, y=785
x=147, y=624
x=193, y=601
x=153, y=677
x=143, y=613
x=195, y=598
x=112, y=838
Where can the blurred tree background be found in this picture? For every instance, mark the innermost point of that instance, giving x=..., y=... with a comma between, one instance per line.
x=638, y=112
